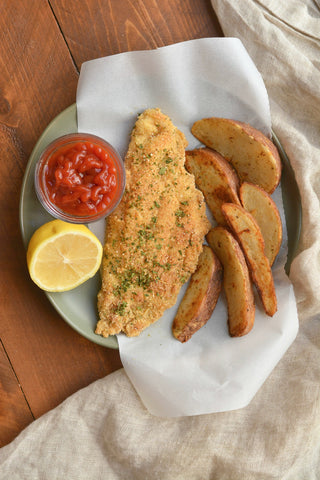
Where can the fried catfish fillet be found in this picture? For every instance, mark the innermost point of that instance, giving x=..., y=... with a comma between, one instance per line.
x=154, y=237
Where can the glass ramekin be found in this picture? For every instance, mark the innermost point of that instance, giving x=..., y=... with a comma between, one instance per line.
x=42, y=168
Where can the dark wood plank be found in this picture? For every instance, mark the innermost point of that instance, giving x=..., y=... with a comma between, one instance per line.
x=38, y=80
x=103, y=28
x=14, y=410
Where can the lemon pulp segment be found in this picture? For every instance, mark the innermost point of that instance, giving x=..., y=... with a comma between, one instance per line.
x=61, y=256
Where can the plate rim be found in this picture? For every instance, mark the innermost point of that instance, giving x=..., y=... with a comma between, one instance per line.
x=288, y=179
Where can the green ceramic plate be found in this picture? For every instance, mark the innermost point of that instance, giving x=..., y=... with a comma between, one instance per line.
x=291, y=203
x=78, y=306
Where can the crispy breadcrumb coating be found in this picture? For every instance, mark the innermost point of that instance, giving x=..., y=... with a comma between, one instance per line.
x=154, y=237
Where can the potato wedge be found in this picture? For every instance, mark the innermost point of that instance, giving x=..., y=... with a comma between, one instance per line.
x=215, y=177
x=236, y=281
x=262, y=207
x=249, y=236
x=252, y=154
x=200, y=298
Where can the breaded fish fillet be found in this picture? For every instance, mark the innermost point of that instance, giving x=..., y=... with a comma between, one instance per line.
x=154, y=237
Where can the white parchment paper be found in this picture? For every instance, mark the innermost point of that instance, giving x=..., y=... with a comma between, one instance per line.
x=212, y=372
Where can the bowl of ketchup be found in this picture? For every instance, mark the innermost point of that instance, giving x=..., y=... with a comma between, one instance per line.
x=79, y=178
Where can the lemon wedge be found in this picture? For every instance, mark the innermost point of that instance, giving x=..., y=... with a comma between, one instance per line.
x=62, y=255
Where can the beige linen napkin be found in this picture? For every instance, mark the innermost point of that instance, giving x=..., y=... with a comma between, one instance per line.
x=104, y=431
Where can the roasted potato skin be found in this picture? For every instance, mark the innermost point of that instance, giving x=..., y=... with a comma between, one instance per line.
x=253, y=155
x=248, y=234
x=215, y=177
x=264, y=210
x=200, y=298
x=236, y=281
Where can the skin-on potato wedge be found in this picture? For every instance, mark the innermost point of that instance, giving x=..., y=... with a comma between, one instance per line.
x=262, y=207
x=215, y=177
x=200, y=298
x=252, y=154
x=249, y=236
x=236, y=281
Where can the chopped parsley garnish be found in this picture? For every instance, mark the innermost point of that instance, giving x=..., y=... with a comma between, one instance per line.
x=120, y=309
x=180, y=213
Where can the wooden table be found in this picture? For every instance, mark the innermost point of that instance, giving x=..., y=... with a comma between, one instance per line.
x=43, y=44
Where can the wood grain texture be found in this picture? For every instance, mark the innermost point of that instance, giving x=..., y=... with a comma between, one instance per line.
x=15, y=413
x=42, y=47
x=106, y=27
x=38, y=77
x=38, y=81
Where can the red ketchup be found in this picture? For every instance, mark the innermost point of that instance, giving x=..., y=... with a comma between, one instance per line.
x=80, y=177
